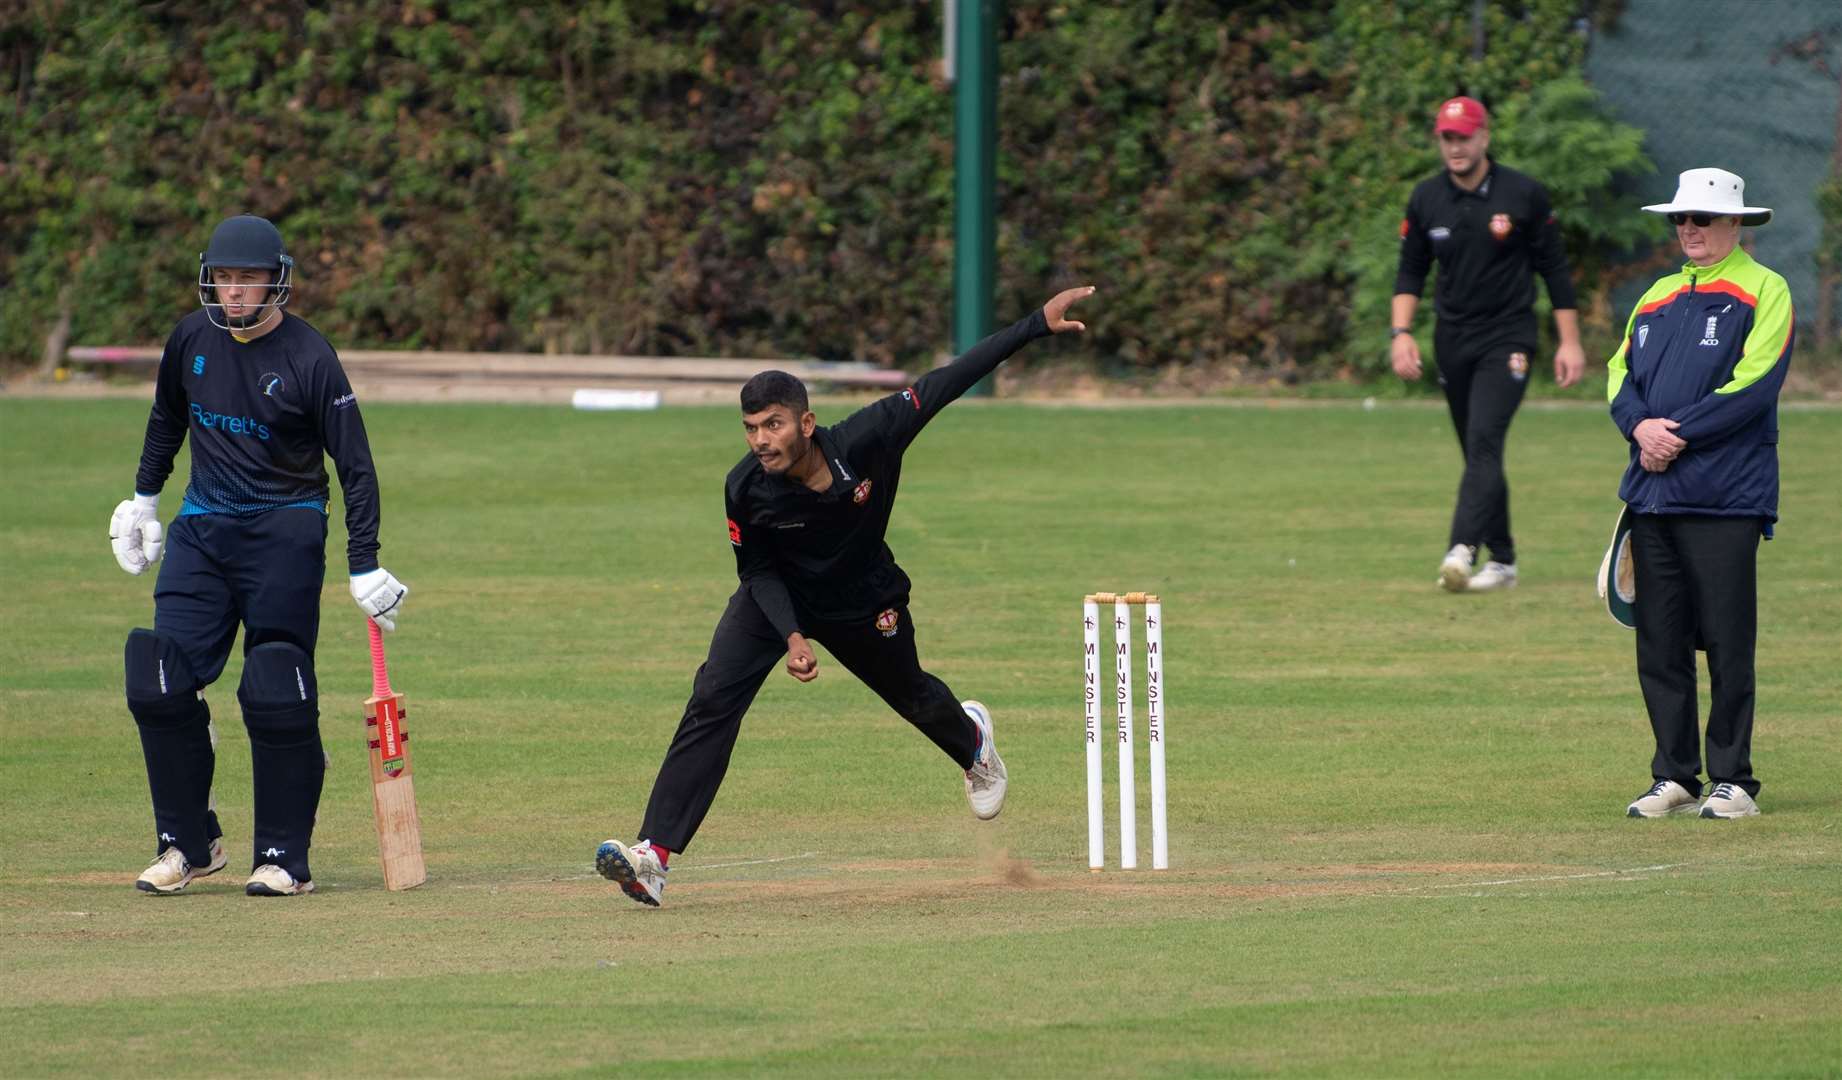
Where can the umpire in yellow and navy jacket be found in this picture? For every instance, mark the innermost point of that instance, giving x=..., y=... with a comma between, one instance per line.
x=1694, y=388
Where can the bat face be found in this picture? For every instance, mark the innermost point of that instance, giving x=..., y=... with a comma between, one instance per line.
x=393, y=793
x=388, y=749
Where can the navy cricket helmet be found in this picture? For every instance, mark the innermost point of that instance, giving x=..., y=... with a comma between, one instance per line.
x=244, y=242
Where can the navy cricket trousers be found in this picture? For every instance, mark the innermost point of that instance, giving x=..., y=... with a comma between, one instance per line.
x=263, y=573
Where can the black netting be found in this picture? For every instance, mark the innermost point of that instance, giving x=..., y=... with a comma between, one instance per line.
x=1748, y=87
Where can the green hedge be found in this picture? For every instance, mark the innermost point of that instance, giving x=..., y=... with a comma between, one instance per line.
x=741, y=178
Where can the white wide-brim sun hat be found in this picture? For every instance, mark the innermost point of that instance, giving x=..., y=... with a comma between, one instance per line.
x=1712, y=191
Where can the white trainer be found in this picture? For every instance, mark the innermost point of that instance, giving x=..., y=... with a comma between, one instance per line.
x=1665, y=797
x=272, y=880
x=1729, y=801
x=987, y=780
x=1455, y=571
x=637, y=870
x=171, y=873
x=1494, y=575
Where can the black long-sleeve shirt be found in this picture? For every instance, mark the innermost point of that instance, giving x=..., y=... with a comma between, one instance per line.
x=821, y=554
x=263, y=415
x=1490, y=243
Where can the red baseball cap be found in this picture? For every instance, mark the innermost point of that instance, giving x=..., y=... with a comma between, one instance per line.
x=1463, y=115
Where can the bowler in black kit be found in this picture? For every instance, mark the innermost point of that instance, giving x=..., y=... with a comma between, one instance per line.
x=807, y=510
x=264, y=401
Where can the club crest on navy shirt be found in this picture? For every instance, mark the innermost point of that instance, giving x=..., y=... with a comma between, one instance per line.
x=269, y=383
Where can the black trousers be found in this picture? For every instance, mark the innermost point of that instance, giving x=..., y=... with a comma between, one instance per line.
x=1484, y=376
x=1697, y=587
x=744, y=651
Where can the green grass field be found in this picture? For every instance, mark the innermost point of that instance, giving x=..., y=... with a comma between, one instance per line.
x=1398, y=839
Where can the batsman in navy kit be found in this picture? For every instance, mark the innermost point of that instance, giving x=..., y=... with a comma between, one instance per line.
x=263, y=399
x=808, y=507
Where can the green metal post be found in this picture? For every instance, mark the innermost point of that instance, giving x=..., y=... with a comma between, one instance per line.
x=975, y=174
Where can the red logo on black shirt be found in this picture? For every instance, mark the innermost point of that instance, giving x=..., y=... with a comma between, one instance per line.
x=862, y=493
x=886, y=622
x=909, y=395
x=735, y=532
x=1403, y=228
x=1500, y=226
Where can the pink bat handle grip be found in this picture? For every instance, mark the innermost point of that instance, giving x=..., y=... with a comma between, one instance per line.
x=380, y=679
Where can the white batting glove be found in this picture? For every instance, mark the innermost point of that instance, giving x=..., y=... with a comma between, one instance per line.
x=135, y=533
x=380, y=596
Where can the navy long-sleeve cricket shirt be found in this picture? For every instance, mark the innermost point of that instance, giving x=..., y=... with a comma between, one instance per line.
x=262, y=415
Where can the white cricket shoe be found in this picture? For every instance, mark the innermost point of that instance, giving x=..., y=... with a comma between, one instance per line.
x=1664, y=798
x=987, y=779
x=1494, y=575
x=1729, y=801
x=1455, y=571
x=637, y=870
x=272, y=880
x=171, y=873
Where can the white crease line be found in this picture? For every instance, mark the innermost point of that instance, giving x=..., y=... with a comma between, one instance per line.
x=752, y=862
x=514, y=882
x=596, y=877
x=1559, y=877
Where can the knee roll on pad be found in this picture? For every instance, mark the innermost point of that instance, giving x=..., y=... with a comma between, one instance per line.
x=156, y=669
x=278, y=691
x=160, y=686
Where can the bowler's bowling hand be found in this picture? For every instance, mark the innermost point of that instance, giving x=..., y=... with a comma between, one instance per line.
x=801, y=664
x=1059, y=305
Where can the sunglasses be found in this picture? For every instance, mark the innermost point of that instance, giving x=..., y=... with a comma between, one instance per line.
x=1701, y=221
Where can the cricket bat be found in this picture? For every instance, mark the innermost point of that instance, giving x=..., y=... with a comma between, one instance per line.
x=393, y=787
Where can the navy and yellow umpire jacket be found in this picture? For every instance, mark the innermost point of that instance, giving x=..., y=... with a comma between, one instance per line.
x=1707, y=347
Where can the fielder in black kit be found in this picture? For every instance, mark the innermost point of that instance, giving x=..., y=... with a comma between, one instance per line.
x=1491, y=230
x=263, y=399
x=808, y=508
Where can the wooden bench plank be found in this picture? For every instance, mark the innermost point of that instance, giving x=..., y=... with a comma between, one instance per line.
x=562, y=366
